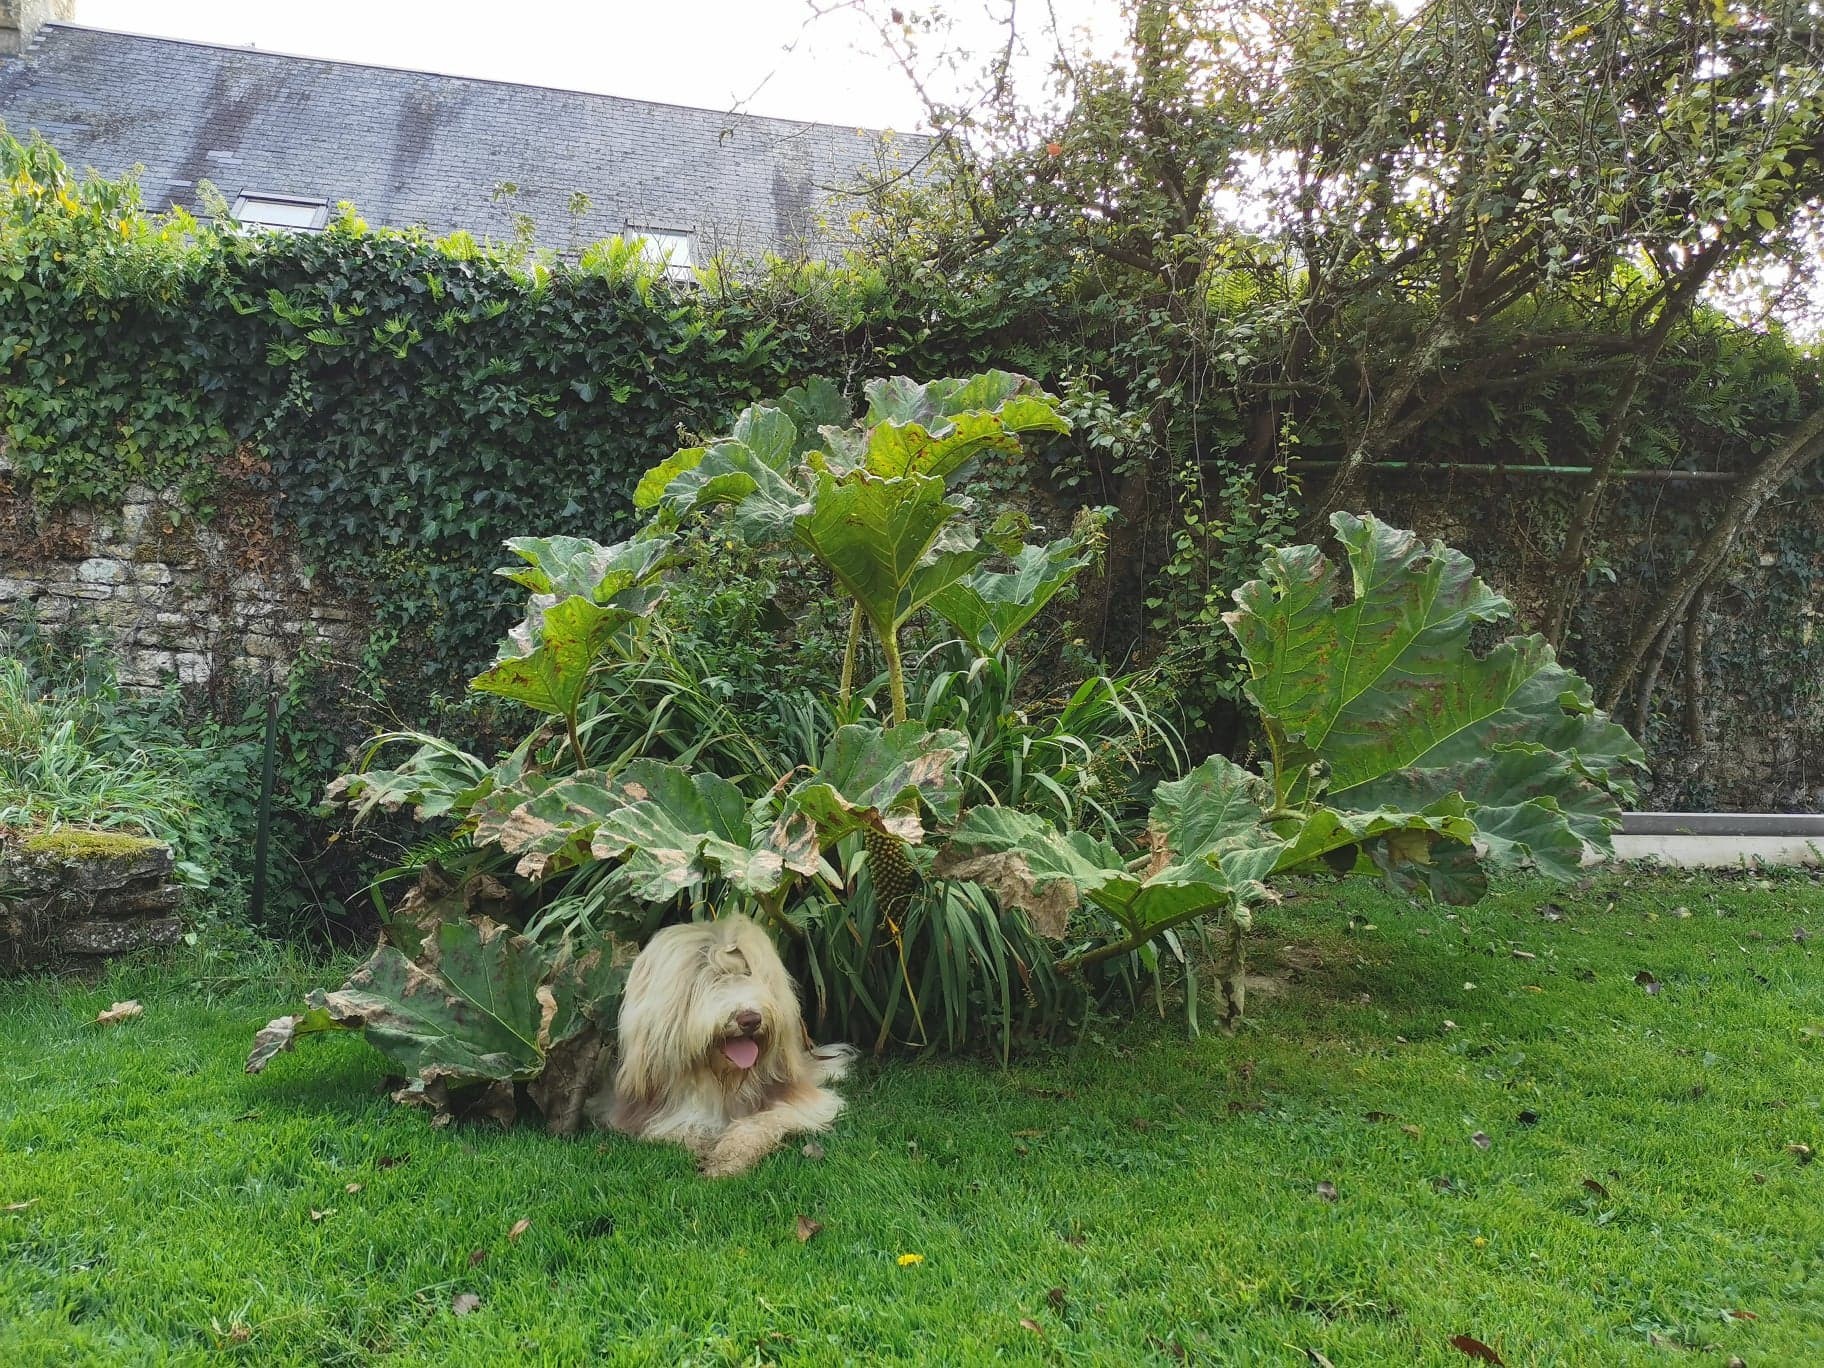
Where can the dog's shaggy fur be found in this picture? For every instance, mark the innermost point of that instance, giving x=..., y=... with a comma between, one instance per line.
x=712, y=1049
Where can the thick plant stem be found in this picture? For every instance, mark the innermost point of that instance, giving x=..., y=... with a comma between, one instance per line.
x=896, y=673
x=1802, y=446
x=576, y=742
x=1232, y=978
x=848, y=658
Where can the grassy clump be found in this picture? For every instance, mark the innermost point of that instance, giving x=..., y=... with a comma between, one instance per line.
x=1138, y=1199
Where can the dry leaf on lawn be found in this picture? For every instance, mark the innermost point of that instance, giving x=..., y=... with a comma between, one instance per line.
x=1027, y=1323
x=1327, y=1190
x=20, y=1206
x=1474, y=1347
x=520, y=1227
x=464, y=1302
x=807, y=1229
x=119, y=1012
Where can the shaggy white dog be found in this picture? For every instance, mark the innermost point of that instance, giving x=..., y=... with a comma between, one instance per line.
x=712, y=1049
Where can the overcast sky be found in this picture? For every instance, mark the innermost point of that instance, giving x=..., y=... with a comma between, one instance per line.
x=764, y=56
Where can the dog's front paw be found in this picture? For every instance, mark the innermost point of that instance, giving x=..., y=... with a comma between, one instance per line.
x=721, y=1164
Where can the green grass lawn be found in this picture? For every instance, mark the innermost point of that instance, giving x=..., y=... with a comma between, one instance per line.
x=1139, y=1199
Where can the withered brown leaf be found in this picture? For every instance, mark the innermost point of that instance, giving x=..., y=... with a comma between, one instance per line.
x=1474, y=1347
x=119, y=1012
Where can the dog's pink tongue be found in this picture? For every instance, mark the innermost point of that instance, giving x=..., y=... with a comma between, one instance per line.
x=742, y=1051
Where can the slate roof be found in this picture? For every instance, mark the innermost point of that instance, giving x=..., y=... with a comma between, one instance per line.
x=414, y=147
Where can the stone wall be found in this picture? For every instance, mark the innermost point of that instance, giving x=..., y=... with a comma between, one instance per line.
x=73, y=898
x=171, y=598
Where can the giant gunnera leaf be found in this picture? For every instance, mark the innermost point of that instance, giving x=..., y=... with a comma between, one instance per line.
x=475, y=1009
x=1208, y=851
x=1398, y=740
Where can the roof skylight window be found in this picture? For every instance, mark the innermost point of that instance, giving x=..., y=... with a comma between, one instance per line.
x=668, y=247
x=287, y=213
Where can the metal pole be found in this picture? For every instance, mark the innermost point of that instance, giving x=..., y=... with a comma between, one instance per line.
x=263, y=826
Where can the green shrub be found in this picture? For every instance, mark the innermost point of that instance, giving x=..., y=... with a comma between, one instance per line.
x=950, y=863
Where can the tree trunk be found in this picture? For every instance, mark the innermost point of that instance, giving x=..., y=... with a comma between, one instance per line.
x=1344, y=485
x=1801, y=447
x=1678, y=302
x=1694, y=668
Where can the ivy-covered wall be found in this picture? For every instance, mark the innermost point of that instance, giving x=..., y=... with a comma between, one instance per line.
x=329, y=437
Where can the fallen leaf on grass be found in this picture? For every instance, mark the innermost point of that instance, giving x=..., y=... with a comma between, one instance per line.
x=1551, y=912
x=1327, y=1190
x=352, y=1188
x=477, y=1257
x=520, y=1227
x=119, y=1012
x=1474, y=1347
x=1414, y=1131
x=1647, y=981
x=1480, y=1140
x=1317, y=1360
x=1056, y=1297
x=463, y=1303
x=1529, y=1117
x=1803, y=1153
x=20, y=1206
x=387, y=1161
x=317, y=1217
x=1524, y=955
x=1759, y=1178
x=1027, y=1323
x=1591, y=1185
x=1743, y=1315
x=812, y=1151
x=907, y=1260
x=807, y=1229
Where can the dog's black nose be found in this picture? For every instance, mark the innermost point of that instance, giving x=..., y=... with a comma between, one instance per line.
x=748, y=1020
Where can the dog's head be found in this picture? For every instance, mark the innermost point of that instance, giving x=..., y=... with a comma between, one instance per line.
x=708, y=996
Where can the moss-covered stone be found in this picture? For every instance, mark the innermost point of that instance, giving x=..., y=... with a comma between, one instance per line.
x=76, y=843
